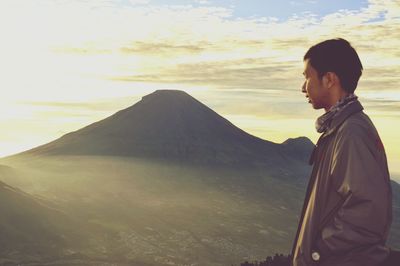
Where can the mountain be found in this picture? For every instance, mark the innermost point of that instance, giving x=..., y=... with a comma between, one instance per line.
x=38, y=229
x=170, y=124
x=28, y=228
x=298, y=147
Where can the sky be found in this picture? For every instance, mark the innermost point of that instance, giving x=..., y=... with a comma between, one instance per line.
x=67, y=63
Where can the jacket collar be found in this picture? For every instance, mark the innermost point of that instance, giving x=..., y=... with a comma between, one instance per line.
x=336, y=122
x=342, y=116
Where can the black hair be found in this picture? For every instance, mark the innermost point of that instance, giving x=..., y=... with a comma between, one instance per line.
x=338, y=56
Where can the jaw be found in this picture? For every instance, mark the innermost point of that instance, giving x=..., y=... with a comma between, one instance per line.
x=320, y=103
x=315, y=105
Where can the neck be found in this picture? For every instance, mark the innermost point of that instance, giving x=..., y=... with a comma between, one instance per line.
x=335, y=97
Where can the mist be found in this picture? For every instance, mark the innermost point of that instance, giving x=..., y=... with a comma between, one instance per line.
x=127, y=209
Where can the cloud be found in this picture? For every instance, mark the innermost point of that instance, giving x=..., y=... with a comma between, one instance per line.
x=139, y=2
x=261, y=104
x=207, y=45
x=107, y=105
x=203, y=45
x=302, y=3
x=81, y=50
x=254, y=73
x=389, y=108
x=158, y=49
x=203, y=2
x=377, y=43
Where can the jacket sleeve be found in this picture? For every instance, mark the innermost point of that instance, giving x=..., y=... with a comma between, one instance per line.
x=359, y=174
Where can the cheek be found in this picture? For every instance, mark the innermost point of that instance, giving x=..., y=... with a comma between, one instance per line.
x=312, y=85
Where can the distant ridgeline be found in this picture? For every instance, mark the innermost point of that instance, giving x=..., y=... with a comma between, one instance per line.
x=172, y=125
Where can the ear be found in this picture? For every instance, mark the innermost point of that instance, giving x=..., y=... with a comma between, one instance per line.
x=330, y=79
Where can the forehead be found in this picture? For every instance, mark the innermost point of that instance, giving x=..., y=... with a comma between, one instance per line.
x=308, y=69
x=306, y=65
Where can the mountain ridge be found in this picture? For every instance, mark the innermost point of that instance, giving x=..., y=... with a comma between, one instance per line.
x=171, y=124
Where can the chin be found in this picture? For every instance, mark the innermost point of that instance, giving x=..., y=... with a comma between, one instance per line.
x=316, y=107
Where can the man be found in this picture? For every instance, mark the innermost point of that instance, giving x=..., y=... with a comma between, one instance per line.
x=347, y=210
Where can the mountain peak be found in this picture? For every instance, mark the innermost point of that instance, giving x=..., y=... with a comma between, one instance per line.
x=298, y=141
x=299, y=148
x=166, y=93
x=168, y=99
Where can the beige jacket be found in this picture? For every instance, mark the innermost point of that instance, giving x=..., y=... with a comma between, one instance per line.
x=347, y=210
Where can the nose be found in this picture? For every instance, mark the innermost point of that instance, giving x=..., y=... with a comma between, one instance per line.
x=303, y=88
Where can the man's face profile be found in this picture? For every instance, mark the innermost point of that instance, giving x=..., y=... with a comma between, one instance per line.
x=313, y=87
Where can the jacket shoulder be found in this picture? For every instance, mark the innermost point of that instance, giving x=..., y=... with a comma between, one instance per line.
x=359, y=128
x=358, y=124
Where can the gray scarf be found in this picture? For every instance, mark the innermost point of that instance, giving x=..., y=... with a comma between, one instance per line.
x=323, y=122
